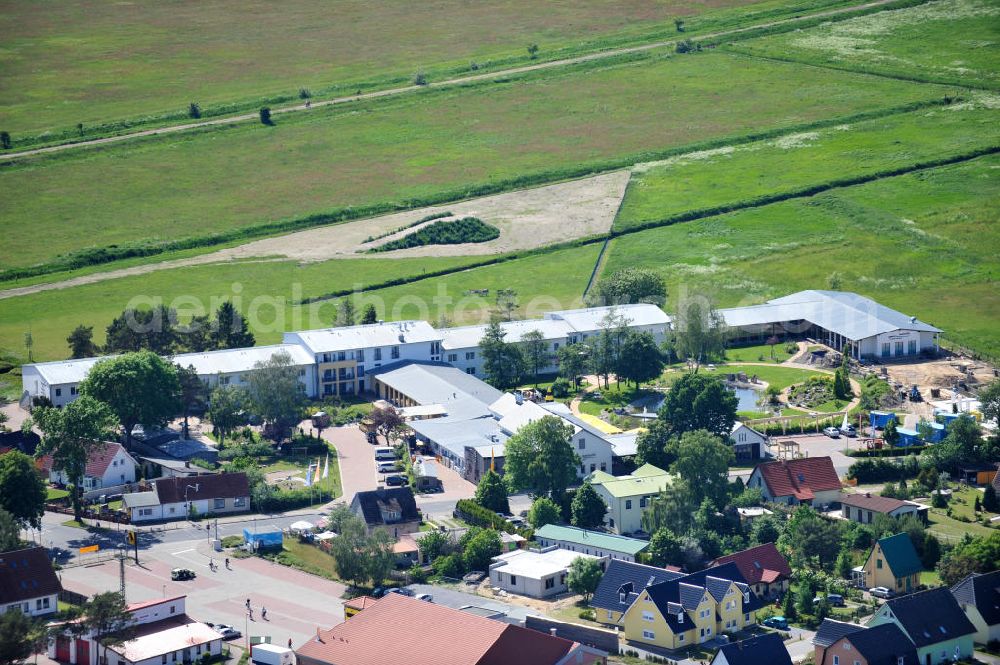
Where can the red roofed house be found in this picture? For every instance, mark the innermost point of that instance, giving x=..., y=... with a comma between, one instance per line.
x=161, y=632
x=109, y=465
x=763, y=567
x=398, y=629
x=808, y=480
x=28, y=582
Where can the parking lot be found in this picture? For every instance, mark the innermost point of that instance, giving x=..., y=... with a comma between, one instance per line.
x=296, y=603
x=814, y=445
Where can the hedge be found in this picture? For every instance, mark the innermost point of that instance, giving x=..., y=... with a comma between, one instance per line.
x=888, y=452
x=882, y=470
x=473, y=513
x=467, y=229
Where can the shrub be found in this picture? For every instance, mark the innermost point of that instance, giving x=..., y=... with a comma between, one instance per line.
x=232, y=541
x=467, y=229
x=5, y=140
x=420, y=78
x=194, y=110
x=882, y=470
x=304, y=93
x=448, y=566
x=473, y=513
x=417, y=574
x=561, y=387
x=588, y=615
x=265, y=116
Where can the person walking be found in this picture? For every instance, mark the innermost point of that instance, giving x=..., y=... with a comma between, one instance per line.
x=263, y=613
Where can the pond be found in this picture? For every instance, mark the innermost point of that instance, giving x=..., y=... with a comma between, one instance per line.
x=747, y=397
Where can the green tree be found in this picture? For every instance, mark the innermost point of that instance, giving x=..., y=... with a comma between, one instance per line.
x=10, y=532
x=348, y=549
x=140, y=388
x=673, y=508
x=703, y=463
x=386, y=421
x=369, y=315
x=766, y=529
x=990, y=503
x=534, y=350
x=192, y=394
x=845, y=565
x=379, y=558
x=540, y=457
x=346, y=314
x=889, y=434
x=81, y=342
x=5, y=141
x=639, y=358
x=573, y=362
x=22, y=492
x=229, y=329
x=699, y=330
x=698, y=401
x=277, y=394
x=788, y=606
x=153, y=330
x=989, y=398
x=963, y=446
x=435, y=544
x=932, y=552
x=108, y=620
x=532, y=51
x=805, y=603
x=503, y=362
x=265, y=116
x=70, y=435
x=194, y=110
x=544, y=511
x=491, y=493
x=588, y=508
x=227, y=410
x=629, y=286
x=584, y=576
x=653, y=445
x=664, y=548
x=812, y=539
x=480, y=550
x=16, y=644
x=506, y=302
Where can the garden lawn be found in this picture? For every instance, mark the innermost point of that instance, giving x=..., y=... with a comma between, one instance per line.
x=946, y=41
x=265, y=292
x=85, y=61
x=951, y=530
x=963, y=500
x=760, y=353
x=778, y=376
x=739, y=174
x=307, y=558
x=923, y=243
x=427, y=145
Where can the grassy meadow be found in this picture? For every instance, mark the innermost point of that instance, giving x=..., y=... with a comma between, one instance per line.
x=924, y=243
x=735, y=174
x=85, y=61
x=944, y=41
x=268, y=293
x=418, y=146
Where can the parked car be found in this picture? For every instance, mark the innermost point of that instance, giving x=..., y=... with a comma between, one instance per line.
x=385, y=467
x=849, y=431
x=880, y=592
x=401, y=591
x=475, y=577
x=778, y=622
x=180, y=574
x=396, y=481
x=227, y=632
x=831, y=599
x=426, y=597
x=832, y=432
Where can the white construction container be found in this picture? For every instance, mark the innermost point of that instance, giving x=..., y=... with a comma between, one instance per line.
x=270, y=654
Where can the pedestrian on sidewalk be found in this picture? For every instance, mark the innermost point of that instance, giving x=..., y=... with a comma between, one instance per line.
x=263, y=613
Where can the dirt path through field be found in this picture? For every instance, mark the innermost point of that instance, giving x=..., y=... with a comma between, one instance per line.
x=527, y=219
x=254, y=117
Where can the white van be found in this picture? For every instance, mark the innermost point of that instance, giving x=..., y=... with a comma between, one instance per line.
x=385, y=454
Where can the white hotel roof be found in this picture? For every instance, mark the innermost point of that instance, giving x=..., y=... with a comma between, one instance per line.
x=59, y=372
x=590, y=318
x=229, y=361
x=365, y=336
x=848, y=314
x=469, y=336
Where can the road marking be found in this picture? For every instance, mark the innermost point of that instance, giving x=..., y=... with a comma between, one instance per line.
x=182, y=552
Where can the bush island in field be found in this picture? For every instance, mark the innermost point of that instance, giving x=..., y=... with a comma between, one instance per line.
x=467, y=229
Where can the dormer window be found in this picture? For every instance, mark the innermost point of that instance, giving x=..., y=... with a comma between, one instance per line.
x=622, y=596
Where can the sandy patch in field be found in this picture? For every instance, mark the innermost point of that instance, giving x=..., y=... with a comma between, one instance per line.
x=527, y=219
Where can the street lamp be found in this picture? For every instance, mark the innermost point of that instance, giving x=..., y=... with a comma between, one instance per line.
x=187, y=506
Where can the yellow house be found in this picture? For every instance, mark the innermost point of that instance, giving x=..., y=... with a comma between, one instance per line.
x=893, y=564
x=692, y=609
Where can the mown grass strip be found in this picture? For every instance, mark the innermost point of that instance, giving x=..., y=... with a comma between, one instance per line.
x=109, y=254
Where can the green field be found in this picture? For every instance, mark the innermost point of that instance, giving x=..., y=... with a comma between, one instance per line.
x=268, y=291
x=780, y=377
x=84, y=61
x=273, y=286
x=760, y=353
x=738, y=174
x=418, y=146
x=923, y=243
x=946, y=41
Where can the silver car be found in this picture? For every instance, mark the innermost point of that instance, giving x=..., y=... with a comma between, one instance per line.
x=832, y=432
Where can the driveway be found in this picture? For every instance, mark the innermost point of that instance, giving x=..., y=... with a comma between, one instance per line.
x=357, y=461
x=443, y=503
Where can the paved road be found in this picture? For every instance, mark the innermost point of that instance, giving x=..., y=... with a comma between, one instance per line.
x=296, y=602
x=357, y=460
x=254, y=117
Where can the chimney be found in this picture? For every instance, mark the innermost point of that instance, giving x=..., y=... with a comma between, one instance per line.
x=552, y=632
